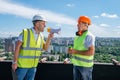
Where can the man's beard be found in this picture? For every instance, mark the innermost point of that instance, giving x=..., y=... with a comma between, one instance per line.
x=40, y=29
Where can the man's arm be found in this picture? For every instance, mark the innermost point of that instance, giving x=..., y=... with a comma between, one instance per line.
x=46, y=45
x=17, y=49
x=89, y=43
x=16, y=53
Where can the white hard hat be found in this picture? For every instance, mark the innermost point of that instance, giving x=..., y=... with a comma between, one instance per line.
x=39, y=17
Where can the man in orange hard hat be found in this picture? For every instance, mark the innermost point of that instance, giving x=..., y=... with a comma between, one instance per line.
x=83, y=50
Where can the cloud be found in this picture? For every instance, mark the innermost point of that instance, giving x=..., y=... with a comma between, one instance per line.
x=70, y=5
x=104, y=25
x=26, y=12
x=58, y=25
x=99, y=31
x=109, y=15
x=118, y=27
x=95, y=16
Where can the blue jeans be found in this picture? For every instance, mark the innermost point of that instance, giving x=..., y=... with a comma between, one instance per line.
x=25, y=73
x=82, y=73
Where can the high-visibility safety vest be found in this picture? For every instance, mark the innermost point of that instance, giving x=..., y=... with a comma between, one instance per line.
x=31, y=49
x=78, y=59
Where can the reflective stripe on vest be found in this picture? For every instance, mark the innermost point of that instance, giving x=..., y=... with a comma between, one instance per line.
x=78, y=59
x=31, y=50
x=29, y=56
x=82, y=59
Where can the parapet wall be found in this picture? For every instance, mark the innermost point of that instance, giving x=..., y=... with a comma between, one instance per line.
x=60, y=71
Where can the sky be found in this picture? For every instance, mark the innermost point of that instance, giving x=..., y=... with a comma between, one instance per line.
x=16, y=15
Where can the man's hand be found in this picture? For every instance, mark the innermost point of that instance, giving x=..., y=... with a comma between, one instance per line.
x=50, y=36
x=43, y=60
x=66, y=61
x=14, y=66
x=46, y=45
x=72, y=51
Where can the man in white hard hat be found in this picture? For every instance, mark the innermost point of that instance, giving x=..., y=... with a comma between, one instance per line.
x=28, y=49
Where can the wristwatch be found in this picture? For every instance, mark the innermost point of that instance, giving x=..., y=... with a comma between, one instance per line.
x=14, y=62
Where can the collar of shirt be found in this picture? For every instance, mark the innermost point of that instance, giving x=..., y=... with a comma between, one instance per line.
x=33, y=30
x=35, y=34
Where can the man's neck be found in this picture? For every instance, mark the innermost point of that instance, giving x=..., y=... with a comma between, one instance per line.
x=36, y=30
x=84, y=30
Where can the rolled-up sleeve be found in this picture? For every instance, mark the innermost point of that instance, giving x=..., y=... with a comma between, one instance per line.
x=20, y=38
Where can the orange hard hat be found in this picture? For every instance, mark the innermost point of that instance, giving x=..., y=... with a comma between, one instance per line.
x=84, y=19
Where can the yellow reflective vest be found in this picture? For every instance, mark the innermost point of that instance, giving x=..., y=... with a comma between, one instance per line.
x=78, y=59
x=30, y=50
